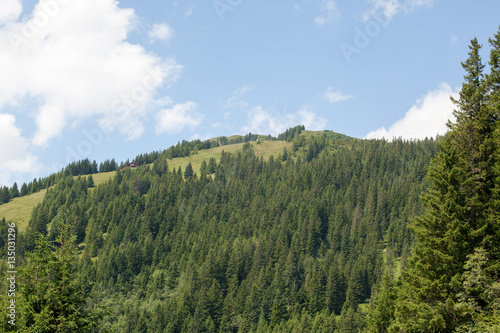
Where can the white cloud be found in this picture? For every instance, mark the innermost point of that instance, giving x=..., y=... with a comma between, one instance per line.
x=174, y=120
x=11, y=9
x=189, y=12
x=330, y=13
x=335, y=96
x=427, y=118
x=235, y=99
x=74, y=59
x=161, y=32
x=391, y=8
x=14, y=151
x=266, y=122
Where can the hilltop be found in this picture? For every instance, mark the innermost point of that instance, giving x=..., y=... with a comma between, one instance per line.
x=19, y=209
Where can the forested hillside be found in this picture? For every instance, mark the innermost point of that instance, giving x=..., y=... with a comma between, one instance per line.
x=296, y=241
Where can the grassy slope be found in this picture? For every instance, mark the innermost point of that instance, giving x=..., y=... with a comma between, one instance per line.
x=265, y=149
x=19, y=209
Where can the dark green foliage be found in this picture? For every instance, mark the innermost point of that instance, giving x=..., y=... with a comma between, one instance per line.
x=188, y=172
x=182, y=149
x=4, y=194
x=14, y=191
x=24, y=190
x=83, y=167
x=90, y=181
x=50, y=297
x=451, y=283
x=291, y=133
x=212, y=165
x=108, y=165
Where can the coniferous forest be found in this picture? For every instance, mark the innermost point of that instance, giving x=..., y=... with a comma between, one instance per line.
x=335, y=234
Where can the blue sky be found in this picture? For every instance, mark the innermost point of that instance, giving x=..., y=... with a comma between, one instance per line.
x=103, y=79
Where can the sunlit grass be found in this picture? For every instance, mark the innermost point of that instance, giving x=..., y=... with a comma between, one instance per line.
x=19, y=209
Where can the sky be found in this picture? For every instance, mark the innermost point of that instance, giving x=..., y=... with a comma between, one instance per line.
x=102, y=79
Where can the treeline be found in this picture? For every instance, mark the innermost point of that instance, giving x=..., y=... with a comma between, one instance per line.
x=291, y=133
x=78, y=168
x=188, y=148
x=258, y=246
x=223, y=141
x=86, y=167
x=36, y=185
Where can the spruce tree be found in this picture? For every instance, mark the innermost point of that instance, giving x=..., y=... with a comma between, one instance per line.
x=188, y=172
x=458, y=219
x=52, y=299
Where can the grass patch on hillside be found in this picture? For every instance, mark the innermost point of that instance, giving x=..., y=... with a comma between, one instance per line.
x=202, y=155
x=264, y=149
x=19, y=209
x=328, y=134
x=100, y=178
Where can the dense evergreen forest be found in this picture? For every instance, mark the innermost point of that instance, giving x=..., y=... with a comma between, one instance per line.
x=332, y=235
x=257, y=245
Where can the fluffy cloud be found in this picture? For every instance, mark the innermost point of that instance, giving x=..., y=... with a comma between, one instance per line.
x=174, y=119
x=330, y=13
x=265, y=122
x=335, y=96
x=14, y=151
x=235, y=99
x=161, y=32
x=73, y=59
x=427, y=118
x=391, y=8
x=11, y=9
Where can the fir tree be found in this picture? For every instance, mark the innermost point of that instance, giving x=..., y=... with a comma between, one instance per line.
x=52, y=299
x=188, y=172
x=457, y=220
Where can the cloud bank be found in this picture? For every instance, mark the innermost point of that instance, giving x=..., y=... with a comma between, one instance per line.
x=426, y=119
x=72, y=58
x=14, y=150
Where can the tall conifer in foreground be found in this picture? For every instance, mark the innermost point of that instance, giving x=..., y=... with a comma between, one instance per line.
x=454, y=260
x=52, y=299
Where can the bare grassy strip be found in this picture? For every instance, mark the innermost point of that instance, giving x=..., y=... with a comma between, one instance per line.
x=19, y=209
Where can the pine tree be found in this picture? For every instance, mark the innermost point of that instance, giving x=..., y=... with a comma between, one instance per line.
x=14, y=191
x=493, y=78
x=212, y=165
x=188, y=172
x=90, y=182
x=493, y=83
x=51, y=297
x=457, y=219
x=24, y=190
